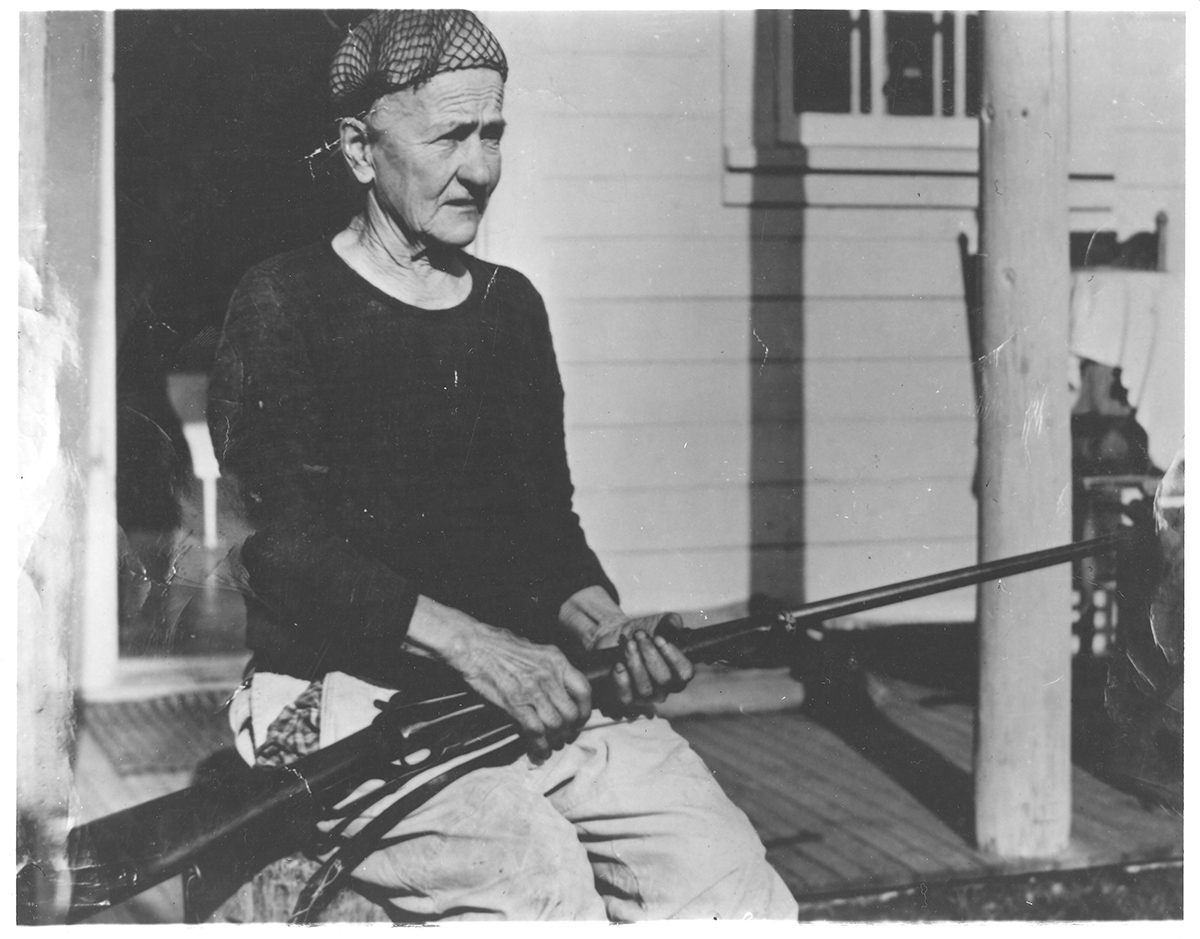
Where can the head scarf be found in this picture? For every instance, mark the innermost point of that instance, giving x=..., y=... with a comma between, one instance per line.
x=395, y=49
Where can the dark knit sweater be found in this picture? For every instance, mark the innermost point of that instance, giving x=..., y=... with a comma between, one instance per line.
x=384, y=451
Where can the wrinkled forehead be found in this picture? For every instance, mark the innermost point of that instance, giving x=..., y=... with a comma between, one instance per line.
x=451, y=98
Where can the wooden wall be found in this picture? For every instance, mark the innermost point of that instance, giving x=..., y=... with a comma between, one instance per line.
x=888, y=422
x=1129, y=114
x=611, y=203
x=766, y=398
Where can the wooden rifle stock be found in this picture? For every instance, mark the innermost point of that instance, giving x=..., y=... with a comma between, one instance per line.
x=255, y=815
x=258, y=815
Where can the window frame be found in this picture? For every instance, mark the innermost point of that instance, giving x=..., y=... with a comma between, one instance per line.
x=874, y=140
x=776, y=157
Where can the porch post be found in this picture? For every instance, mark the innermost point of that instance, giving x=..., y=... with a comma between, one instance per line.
x=1023, y=744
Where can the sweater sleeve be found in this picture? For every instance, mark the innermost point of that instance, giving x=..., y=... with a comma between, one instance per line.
x=567, y=561
x=266, y=422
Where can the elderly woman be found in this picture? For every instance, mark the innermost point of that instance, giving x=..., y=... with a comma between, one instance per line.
x=392, y=410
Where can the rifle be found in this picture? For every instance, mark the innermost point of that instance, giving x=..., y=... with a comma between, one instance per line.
x=258, y=815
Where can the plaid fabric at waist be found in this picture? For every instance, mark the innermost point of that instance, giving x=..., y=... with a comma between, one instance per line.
x=296, y=732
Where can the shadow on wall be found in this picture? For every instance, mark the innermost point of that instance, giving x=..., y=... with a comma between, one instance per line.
x=775, y=351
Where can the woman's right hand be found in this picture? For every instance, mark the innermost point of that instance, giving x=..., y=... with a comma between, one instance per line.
x=547, y=697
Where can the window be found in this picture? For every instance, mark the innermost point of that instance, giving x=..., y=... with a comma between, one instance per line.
x=869, y=107
x=845, y=74
x=876, y=62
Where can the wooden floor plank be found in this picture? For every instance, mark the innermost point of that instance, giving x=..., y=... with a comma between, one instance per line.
x=871, y=847
x=868, y=797
x=858, y=816
x=776, y=815
x=919, y=843
x=843, y=790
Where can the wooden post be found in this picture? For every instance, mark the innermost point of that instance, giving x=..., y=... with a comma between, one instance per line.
x=66, y=519
x=1023, y=744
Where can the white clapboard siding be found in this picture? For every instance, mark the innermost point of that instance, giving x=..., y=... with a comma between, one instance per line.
x=702, y=329
x=631, y=86
x=910, y=389
x=671, y=392
x=728, y=267
x=1168, y=169
x=855, y=223
x=892, y=267
x=662, y=393
x=889, y=396
x=888, y=449
x=660, y=206
x=679, y=579
x=781, y=515
x=612, y=162
x=664, y=519
x=846, y=189
x=932, y=509
x=530, y=37
x=650, y=146
x=855, y=328
x=1152, y=92
x=740, y=383
x=629, y=456
x=688, y=266
x=667, y=329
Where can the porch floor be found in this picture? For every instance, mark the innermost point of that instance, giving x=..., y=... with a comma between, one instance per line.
x=851, y=803
x=865, y=799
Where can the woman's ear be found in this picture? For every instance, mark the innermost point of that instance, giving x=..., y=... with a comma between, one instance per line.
x=356, y=149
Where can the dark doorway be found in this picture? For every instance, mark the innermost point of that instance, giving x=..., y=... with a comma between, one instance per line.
x=216, y=113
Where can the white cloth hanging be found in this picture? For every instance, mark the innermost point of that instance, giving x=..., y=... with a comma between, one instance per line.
x=1133, y=320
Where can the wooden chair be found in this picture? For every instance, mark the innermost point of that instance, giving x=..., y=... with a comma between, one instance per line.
x=1109, y=461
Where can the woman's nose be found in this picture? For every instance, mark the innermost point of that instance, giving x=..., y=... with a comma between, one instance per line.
x=478, y=164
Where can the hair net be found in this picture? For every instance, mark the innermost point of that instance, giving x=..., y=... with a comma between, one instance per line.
x=395, y=49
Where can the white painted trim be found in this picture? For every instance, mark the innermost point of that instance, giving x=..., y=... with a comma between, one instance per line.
x=100, y=614
x=737, y=79
x=878, y=61
x=1090, y=200
x=850, y=189
x=854, y=130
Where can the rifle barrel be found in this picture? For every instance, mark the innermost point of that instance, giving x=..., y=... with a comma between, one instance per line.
x=697, y=642
x=876, y=597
